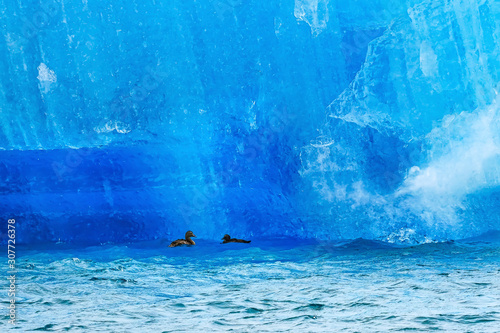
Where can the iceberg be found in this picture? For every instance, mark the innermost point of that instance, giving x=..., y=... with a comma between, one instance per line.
x=329, y=119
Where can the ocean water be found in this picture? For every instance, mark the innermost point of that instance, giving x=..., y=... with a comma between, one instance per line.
x=267, y=286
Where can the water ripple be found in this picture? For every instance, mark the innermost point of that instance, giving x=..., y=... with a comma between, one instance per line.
x=354, y=287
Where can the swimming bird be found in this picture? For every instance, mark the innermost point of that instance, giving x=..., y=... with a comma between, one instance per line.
x=228, y=239
x=187, y=241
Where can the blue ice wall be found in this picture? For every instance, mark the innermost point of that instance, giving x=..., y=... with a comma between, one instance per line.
x=131, y=120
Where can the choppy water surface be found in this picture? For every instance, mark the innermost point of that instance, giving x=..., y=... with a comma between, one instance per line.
x=267, y=286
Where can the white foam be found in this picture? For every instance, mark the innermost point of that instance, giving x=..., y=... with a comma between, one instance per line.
x=461, y=155
x=463, y=161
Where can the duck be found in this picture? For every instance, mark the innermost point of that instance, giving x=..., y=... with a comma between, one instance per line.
x=228, y=239
x=186, y=241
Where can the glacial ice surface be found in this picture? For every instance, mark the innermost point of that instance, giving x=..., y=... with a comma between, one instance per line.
x=133, y=120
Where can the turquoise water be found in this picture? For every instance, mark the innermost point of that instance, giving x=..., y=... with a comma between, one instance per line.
x=267, y=286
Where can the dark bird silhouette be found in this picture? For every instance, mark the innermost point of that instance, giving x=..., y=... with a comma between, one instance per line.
x=228, y=239
x=186, y=241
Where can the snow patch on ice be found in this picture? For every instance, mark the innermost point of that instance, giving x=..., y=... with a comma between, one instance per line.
x=111, y=126
x=314, y=13
x=46, y=77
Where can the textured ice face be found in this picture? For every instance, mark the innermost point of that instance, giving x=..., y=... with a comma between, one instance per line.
x=440, y=59
x=307, y=118
x=429, y=80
